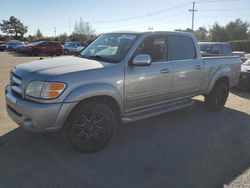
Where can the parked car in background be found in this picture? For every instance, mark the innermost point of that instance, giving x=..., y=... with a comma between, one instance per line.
x=2, y=42
x=3, y=47
x=247, y=55
x=21, y=48
x=37, y=48
x=215, y=49
x=12, y=45
x=240, y=54
x=244, y=81
x=119, y=77
x=73, y=47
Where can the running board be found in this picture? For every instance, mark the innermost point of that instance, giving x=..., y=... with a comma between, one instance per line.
x=130, y=117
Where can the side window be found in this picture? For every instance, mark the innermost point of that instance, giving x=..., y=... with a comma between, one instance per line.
x=43, y=44
x=182, y=47
x=156, y=47
x=51, y=44
x=216, y=50
x=225, y=49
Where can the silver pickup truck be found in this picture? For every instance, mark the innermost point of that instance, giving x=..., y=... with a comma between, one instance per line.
x=119, y=77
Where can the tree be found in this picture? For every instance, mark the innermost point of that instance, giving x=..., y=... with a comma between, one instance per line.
x=201, y=34
x=38, y=34
x=185, y=30
x=62, y=37
x=14, y=27
x=218, y=33
x=82, y=31
x=82, y=27
x=237, y=30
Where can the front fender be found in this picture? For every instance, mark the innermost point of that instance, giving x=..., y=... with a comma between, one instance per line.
x=94, y=90
x=221, y=72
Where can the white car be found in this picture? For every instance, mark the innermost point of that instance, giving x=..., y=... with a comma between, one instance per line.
x=73, y=47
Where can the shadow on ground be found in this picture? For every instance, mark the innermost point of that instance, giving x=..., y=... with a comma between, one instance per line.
x=187, y=148
x=241, y=93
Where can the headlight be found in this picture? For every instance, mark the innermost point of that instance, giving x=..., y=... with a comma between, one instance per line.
x=45, y=90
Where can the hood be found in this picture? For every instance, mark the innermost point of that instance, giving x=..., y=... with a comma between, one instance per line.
x=58, y=66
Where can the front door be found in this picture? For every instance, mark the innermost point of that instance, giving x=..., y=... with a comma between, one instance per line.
x=146, y=86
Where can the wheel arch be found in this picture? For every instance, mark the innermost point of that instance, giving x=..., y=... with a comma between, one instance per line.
x=222, y=75
x=104, y=93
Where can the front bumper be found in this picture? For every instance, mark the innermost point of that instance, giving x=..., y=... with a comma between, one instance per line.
x=35, y=116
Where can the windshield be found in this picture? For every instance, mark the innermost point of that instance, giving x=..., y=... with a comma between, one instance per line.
x=109, y=47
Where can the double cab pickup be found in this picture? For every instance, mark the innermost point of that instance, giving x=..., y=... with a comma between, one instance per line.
x=119, y=77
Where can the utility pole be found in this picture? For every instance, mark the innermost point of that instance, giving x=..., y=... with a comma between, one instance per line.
x=55, y=31
x=192, y=10
x=70, y=26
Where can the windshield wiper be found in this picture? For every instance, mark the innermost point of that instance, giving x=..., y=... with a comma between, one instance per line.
x=101, y=58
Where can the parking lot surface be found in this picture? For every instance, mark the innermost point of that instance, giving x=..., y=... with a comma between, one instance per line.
x=192, y=147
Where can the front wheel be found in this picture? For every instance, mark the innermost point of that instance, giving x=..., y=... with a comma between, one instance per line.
x=90, y=126
x=35, y=52
x=66, y=52
x=217, y=98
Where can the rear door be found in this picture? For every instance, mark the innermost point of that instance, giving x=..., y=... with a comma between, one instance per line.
x=146, y=86
x=187, y=68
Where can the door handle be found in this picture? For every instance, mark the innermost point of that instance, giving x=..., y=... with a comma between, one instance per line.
x=197, y=67
x=165, y=71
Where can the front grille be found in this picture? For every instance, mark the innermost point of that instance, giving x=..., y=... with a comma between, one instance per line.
x=16, y=85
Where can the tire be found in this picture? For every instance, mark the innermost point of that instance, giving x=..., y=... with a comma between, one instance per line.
x=35, y=52
x=58, y=52
x=217, y=98
x=90, y=126
x=66, y=52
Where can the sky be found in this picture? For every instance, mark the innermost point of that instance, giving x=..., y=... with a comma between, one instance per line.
x=115, y=15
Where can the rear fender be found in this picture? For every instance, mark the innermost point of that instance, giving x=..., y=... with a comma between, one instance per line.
x=221, y=72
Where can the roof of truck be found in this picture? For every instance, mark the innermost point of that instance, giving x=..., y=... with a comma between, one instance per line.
x=148, y=32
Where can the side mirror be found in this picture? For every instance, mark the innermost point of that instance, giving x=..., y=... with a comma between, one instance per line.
x=141, y=60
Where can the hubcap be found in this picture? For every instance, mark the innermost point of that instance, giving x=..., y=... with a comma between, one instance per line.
x=89, y=129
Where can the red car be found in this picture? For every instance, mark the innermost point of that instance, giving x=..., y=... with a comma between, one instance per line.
x=47, y=47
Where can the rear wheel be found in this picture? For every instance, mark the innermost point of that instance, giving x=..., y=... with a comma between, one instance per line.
x=58, y=52
x=217, y=98
x=90, y=126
